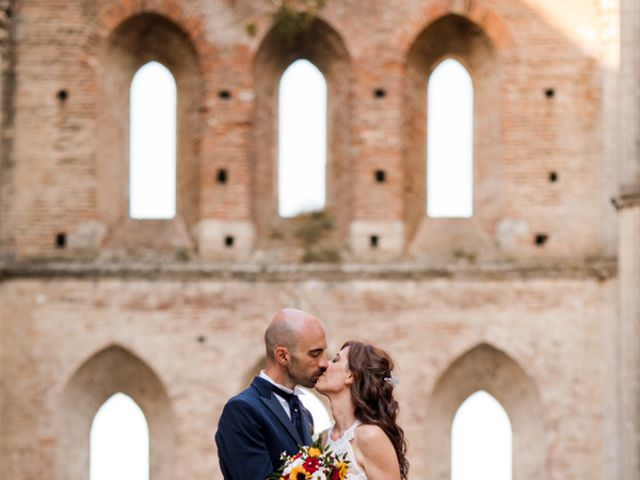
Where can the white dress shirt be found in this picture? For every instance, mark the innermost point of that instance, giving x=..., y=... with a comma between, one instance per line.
x=282, y=401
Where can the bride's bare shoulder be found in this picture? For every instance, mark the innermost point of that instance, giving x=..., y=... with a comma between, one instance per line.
x=376, y=453
x=368, y=435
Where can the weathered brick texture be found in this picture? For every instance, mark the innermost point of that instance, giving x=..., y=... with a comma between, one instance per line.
x=522, y=300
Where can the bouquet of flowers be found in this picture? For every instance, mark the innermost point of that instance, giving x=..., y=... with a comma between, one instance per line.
x=312, y=463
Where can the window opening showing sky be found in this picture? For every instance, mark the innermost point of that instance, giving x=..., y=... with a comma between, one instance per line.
x=119, y=443
x=450, y=141
x=481, y=440
x=302, y=139
x=152, y=143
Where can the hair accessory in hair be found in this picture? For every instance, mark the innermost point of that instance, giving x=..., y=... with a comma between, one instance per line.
x=392, y=380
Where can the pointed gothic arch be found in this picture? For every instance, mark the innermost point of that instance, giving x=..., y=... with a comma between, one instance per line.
x=325, y=49
x=458, y=38
x=136, y=41
x=484, y=367
x=112, y=370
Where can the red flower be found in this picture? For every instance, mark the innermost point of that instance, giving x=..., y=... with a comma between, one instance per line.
x=335, y=474
x=311, y=464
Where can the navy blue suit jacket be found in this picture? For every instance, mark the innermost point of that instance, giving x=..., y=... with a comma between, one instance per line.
x=253, y=432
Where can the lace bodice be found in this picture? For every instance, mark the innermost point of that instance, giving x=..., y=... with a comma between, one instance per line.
x=343, y=446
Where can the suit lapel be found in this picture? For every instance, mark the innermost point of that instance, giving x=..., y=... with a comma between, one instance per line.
x=307, y=420
x=273, y=404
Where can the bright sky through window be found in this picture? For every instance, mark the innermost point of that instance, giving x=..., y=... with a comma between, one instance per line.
x=302, y=139
x=450, y=141
x=152, y=154
x=481, y=440
x=119, y=441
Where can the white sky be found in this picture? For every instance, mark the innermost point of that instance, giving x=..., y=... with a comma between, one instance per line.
x=119, y=441
x=302, y=139
x=450, y=142
x=481, y=440
x=152, y=153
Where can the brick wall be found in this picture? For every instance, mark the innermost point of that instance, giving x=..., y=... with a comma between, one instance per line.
x=183, y=311
x=538, y=112
x=551, y=328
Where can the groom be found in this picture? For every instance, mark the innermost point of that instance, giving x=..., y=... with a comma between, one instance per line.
x=267, y=418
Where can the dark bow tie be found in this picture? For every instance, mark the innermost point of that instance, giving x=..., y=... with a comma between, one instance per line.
x=295, y=407
x=281, y=393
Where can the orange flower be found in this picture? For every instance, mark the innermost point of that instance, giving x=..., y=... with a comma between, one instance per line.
x=314, y=452
x=299, y=473
x=342, y=469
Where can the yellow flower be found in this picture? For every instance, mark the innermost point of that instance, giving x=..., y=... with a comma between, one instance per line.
x=314, y=452
x=298, y=473
x=342, y=468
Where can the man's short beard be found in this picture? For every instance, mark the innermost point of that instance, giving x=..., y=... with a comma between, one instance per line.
x=308, y=382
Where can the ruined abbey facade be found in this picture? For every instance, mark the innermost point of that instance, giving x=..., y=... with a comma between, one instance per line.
x=534, y=299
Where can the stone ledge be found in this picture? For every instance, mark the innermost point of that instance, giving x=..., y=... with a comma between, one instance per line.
x=600, y=269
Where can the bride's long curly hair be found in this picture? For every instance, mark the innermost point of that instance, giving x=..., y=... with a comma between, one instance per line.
x=372, y=394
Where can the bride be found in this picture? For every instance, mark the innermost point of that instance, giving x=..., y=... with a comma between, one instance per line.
x=359, y=384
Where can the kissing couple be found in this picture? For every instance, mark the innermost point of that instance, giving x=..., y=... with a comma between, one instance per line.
x=267, y=418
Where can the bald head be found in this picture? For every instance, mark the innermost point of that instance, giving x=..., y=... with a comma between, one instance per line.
x=296, y=343
x=286, y=329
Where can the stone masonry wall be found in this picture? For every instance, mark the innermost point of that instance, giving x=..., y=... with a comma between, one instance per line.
x=522, y=299
x=203, y=337
x=538, y=116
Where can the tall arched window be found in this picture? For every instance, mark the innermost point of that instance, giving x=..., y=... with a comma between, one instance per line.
x=302, y=139
x=450, y=141
x=481, y=440
x=152, y=143
x=119, y=441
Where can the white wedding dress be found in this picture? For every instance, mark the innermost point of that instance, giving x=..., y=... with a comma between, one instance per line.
x=342, y=446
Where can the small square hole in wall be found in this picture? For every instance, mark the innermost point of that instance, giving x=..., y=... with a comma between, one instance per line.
x=549, y=93
x=553, y=177
x=374, y=241
x=224, y=94
x=379, y=93
x=62, y=95
x=541, y=239
x=222, y=175
x=61, y=240
x=229, y=241
x=380, y=176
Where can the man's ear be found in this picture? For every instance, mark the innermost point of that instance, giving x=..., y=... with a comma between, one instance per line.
x=282, y=355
